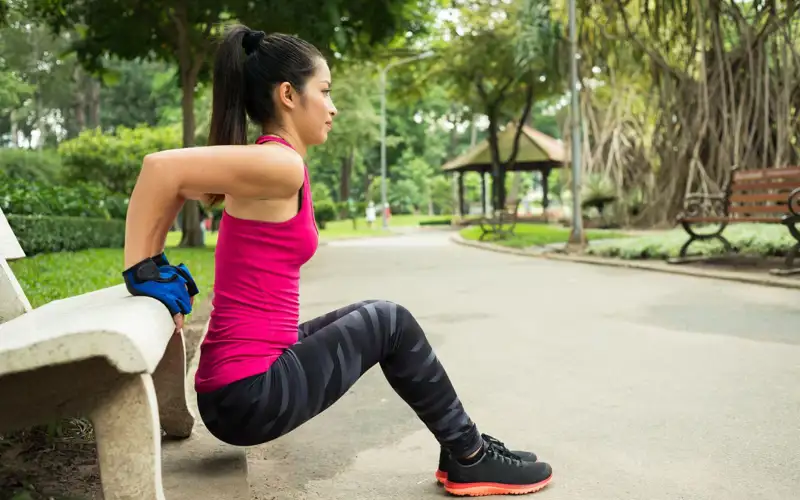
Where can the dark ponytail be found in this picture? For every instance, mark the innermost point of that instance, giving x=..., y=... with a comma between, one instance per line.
x=228, y=113
x=247, y=68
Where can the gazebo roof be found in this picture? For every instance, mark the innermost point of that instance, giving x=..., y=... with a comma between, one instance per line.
x=537, y=151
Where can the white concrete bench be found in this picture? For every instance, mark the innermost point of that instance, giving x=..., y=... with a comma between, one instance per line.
x=104, y=355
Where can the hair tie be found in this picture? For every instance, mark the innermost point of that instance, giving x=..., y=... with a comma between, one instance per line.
x=251, y=41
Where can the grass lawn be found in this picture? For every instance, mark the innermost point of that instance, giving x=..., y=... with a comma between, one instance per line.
x=344, y=228
x=528, y=235
x=48, y=277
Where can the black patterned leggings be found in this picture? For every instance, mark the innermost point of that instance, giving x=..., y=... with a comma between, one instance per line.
x=334, y=350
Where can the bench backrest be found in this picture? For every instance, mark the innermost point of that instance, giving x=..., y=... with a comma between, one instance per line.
x=13, y=301
x=763, y=194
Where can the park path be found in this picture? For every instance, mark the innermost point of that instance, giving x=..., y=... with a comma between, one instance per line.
x=633, y=385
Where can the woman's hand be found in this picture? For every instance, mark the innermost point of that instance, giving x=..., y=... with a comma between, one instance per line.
x=171, y=285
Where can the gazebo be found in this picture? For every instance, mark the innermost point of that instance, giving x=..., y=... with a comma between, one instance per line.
x=538, y=152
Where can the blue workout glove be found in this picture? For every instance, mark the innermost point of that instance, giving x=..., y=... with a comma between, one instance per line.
x=190, y=284
x=165, y=284
x=161, y=261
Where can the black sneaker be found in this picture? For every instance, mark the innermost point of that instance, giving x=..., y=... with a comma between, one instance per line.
x=498, y=472
x=445, y=460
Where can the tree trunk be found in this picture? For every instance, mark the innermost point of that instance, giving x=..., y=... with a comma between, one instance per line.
x=192, y=234
x=80, y=100
x=189, y=64
x=368, y=186
x=94, y=101
x=14, y=129
x=344, y=180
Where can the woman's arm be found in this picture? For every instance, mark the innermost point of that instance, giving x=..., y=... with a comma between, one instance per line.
x=168, y=178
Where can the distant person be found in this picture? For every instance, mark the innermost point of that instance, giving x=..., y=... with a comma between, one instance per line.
x=370, y=213
x=262, y=373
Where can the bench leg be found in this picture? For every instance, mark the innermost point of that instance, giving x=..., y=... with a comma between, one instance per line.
x=484, y=231
x=789, y=263
x=170, y=383
x=129, y=441
x=693, y=236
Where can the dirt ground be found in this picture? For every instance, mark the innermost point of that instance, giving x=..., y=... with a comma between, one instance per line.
x=64, y=467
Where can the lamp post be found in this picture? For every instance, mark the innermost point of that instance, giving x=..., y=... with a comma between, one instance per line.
x=384, y=71
x=576, y=237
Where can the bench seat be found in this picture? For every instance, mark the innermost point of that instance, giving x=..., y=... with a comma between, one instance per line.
x=130, y=333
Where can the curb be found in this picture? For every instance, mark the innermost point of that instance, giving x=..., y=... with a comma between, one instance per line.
x=772, y=281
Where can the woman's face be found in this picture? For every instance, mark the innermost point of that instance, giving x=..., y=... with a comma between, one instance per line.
x=313, y=119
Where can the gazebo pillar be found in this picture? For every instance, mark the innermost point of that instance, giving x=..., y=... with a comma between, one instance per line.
x=545, y=189
x=483, y=191
x=461, y=207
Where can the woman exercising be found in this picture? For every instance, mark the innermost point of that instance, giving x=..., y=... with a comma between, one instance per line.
x=262, y=374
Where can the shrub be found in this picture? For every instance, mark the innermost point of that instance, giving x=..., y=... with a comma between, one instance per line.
x=30, y=165
x=43, y=234
x=324, y=212
x=114, y=160
x=84, y=199
x=763, y=240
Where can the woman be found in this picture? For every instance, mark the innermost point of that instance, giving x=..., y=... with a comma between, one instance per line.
x=261, y=374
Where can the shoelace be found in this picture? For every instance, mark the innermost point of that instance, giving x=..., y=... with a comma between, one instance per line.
x=498, y=450
x=500, y=445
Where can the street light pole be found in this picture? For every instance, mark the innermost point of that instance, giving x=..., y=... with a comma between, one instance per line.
x=384, y=71
x=576, y=237
x=384, y=218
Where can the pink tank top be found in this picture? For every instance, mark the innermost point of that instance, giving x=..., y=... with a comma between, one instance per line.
x=256, y=304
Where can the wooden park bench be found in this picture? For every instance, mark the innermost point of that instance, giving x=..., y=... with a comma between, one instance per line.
x=501, y=223
x=105, y=355
x=765, y=196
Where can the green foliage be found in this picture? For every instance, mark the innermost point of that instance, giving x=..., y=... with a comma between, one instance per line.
x=42, y=234
x=763, y=240
x=49, y=92
x=13, y=90
x=497, y=49
x=114, y=160
x=320, y=192
x=324, y=212
x=324, y=206
x=30, y=165
x=82, y=199
x=152, y=85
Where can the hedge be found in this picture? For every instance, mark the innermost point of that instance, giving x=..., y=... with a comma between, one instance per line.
x=765, y=240
x=43, y=234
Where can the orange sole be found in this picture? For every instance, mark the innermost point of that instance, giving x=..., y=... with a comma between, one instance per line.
x=485, y=489
x=441, y=477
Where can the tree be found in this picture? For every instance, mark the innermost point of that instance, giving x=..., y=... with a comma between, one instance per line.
x=183, y=31
x=35, y=58
x=502, y=57
x=674, y=94
x=355, y=130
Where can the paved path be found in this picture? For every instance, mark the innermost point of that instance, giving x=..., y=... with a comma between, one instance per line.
x=633, y=385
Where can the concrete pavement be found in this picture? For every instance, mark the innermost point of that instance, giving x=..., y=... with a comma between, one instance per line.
x=633, y=385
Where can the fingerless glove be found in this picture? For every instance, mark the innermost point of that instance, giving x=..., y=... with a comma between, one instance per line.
x=161, y=261
x=167, y=284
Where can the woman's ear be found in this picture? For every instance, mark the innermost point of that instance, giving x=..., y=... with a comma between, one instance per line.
x=286, y=95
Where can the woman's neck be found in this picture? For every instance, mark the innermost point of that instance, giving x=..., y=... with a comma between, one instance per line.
x=288, y=136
